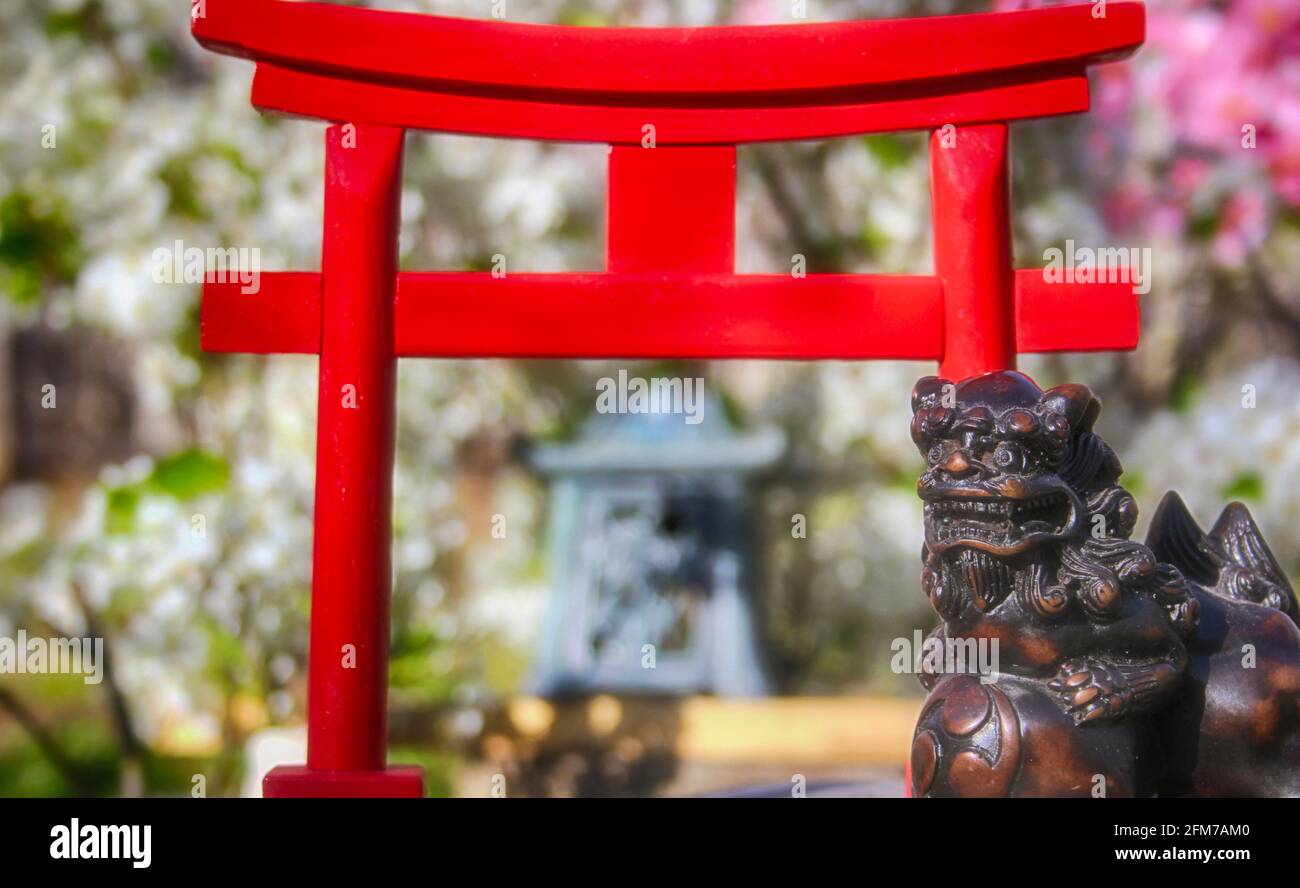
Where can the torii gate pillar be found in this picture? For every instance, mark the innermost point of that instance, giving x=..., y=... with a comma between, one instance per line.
x=347, y=699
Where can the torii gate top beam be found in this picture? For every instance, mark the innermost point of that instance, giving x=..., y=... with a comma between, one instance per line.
x=670, y=237
x=723, y=85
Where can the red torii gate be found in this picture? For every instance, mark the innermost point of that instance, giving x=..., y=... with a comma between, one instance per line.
x=670, y=240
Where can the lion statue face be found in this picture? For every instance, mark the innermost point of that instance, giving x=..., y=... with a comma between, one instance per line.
x=1008, y=465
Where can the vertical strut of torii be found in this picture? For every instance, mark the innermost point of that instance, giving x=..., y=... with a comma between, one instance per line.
x=693, y=94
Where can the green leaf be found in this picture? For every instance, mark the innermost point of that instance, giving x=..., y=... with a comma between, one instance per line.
x=182, y=188
x=160, y=56
x=874, y=241
x=890, y=151
x=120, y=515
x=190, y=473
x=37, y=244
x=1183, y=395
x=1135, y=483
x=1247, y=485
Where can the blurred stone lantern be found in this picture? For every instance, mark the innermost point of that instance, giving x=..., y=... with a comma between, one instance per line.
x=652, y=583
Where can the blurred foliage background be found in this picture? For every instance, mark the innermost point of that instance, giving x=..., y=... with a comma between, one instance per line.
x=102, y=498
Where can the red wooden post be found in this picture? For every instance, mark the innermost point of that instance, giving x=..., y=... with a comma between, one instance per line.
x=347, y=698
x=972, y=249
x=671, y=209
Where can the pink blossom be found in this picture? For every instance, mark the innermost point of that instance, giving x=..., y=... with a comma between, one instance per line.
x=1243, y=225
x=759, y=12
x=1217, y=90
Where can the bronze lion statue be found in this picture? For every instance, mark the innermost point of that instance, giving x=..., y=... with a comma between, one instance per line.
x=1168, y=668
